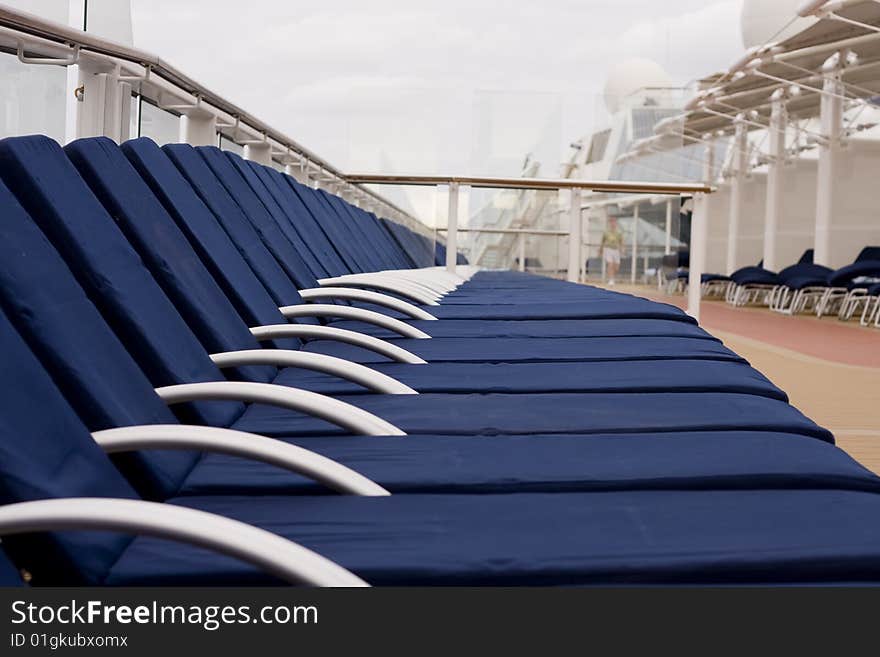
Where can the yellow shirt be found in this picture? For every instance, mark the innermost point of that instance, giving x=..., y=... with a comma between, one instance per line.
x=612, y=239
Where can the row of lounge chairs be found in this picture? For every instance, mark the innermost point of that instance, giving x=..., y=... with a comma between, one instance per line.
x=226, y=377
x=853, y=290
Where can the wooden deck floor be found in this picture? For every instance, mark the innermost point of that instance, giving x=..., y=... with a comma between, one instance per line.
x=830, y=369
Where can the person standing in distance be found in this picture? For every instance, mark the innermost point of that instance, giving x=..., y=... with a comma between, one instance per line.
x=612, y=241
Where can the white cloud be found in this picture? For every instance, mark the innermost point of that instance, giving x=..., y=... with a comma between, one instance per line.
x=420, y=85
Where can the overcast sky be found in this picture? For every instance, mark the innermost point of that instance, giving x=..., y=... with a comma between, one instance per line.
x=464, y=86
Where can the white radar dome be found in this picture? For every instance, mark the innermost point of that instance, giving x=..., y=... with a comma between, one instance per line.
x=631, y=75
x=762, y=21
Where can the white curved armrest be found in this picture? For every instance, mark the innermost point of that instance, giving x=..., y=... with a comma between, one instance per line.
x=344, y=369
x=398, y=287
x=239, y=443
x=274, y=554
x=312, y=332
x=367, y=296
x=332, y=410
x=356, y=314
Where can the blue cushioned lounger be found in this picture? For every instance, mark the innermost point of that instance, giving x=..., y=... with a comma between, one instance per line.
x=492, y=414
x=108, y=389
x=150, y=163
x=555, y=463
x=221, y=328
x=534, y=350
x=655, y=537
x=673, y=375
x=745, y=536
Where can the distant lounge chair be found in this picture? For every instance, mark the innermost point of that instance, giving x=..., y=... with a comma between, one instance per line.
x=834, y=292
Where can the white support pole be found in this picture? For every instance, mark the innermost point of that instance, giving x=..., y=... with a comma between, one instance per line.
x=700, y=237
x=123, y=118
x=667, y=248
x=260, y=153
x=198, y=128
x=295, y=171
x=574, y=237
x=452, y=229
x=105, y=108
x=634, y=256
x=775, y=173
x=831, y=119
x=91, y=110
x=740, y=164
x=522, y=252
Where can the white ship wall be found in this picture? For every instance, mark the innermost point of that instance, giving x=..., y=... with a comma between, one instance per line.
x=855, y=223
x=716, y=236
x=797, y=223
x=750, y=242
x=750, y=236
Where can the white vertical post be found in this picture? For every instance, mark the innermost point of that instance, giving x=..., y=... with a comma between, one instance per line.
x=260, y=153
x=831, y=119
x=700, y=237
x=585, y=254
x=91, y=110
x=775, y=173
x=602, y=255
x=295, y=171
x=667, y=248
x=124, y=105
x=522, y=251
x=740, y=163
x=574, y=237
x=73, y=104
x=634, y=256
x=452, y=229
x=198, y=128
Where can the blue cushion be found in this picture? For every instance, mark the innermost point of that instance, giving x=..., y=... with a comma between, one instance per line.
x=90, y=365
x=644, y=537
x=610, y=309
x=847, y=274
x=624, y=376
x=112, y=274
x=554, y=463
x=46, y=453
x=278, y=216
x=803, y=270
x=164, y=249
x=206, y=236
x=313, y=232
x=491, y=414
x=754, y=276
x=417, y=251
x=353, y=232
x=536, y=350
x=320, y=225
x=801, y=282
x=257, y=213
x=868, y=253
x=525, y=328
x=386, y=245
x=225, y=210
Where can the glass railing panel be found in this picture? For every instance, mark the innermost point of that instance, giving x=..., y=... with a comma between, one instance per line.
x=160, y=125
x=33, y=99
